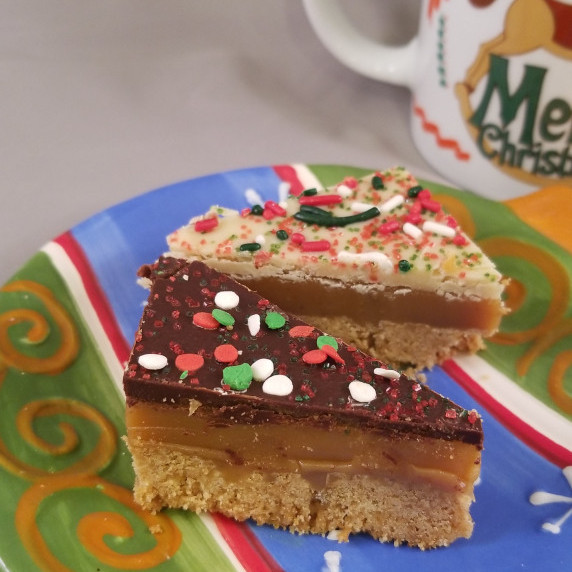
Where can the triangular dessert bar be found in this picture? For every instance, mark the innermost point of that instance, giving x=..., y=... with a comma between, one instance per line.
x=238, y=407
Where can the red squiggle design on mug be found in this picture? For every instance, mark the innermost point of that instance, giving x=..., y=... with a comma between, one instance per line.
x=441, y=142
x=433, y=6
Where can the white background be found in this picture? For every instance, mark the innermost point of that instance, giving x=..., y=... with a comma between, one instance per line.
x=104, y=100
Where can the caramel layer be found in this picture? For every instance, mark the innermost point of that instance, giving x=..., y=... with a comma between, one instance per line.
x=297, y=447
x=311, y=297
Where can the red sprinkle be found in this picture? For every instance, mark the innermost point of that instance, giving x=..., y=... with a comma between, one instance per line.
x=226, y=353
x=206, y=224
x=413, y=218
x=297, y=238
x=460, y=240
x=430, y=205
x=319, y=200
x=415, y=207
x=332, y=353
x=301, y=331
x=268, y=214
x=315, y=245
x=472, y=417
x=205, y=320
x=263, y=303
x=307, y=390
x=315, y=357
x=389, y=227
x=275, y=208
x=189, y=362
x=350, y=182
x=245, y=212
x=451, y=414
x=451, y=222
x=425, y=194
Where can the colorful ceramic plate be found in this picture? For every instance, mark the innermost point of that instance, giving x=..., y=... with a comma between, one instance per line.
x=68, y=317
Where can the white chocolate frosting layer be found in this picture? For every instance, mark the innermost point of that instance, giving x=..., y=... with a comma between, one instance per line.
x=396, y=235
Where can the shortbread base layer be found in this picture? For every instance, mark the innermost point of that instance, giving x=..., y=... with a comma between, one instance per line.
x=405, y=346
x=415, y=513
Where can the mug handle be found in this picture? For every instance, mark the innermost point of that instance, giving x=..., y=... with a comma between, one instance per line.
x=394, y=65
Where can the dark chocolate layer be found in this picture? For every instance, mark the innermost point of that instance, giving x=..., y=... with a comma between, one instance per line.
x=320, y=392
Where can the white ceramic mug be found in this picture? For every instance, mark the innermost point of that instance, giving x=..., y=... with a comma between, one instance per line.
x=491, y=82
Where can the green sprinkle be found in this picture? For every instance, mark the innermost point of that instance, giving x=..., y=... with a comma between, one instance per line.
x=274, y=320
x=237, y=377
x=414, y=191
x=256, y=210
x=249, y=247
x=404, y=265
x=309, y=217
x=222, y=317
x=327, y=341
x=315, y=210
x=377, y=183
x=281, y=235
x=184, y=374
x=310, y=192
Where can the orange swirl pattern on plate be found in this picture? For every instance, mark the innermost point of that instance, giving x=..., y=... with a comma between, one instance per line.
x=11, y=356
x=93, y=527
x=82, y=473
x=94, y=461
x=544, y=212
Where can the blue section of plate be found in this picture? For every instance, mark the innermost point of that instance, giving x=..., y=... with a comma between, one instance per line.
x=508, y=533
x=119, y=240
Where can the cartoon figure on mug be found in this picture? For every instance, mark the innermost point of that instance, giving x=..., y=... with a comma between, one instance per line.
x=529, y=25
x=518, y=118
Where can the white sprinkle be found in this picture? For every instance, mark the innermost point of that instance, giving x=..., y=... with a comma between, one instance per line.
x=280, y=385
x=333, y=535
x=391, y=203
x=332, y=561
x=262, y=369
x=283, y=191
x=412, y=230
x=226, y=300
x=389, y=373
x=358, y=207
x=437, y=228
x=382, y=260
x=362, y=392
x=260, y=239
x=186, y=277
x=253, y=324
x=344, y=191
x=252, y=197
x=152, y=361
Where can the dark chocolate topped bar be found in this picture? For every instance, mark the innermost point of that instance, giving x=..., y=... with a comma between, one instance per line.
x=205, y=337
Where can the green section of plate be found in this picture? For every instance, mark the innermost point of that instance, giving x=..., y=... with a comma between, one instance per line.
x=83, y=397
x=542, y=270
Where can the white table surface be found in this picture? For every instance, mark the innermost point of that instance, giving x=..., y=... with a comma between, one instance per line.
x=102, y=101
